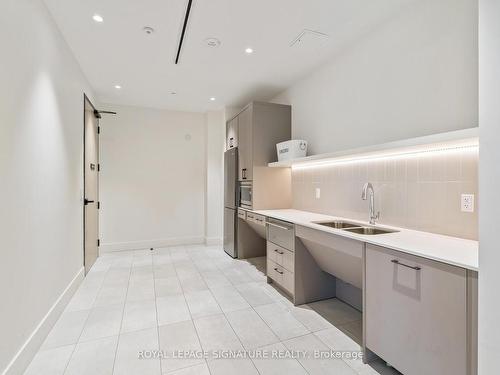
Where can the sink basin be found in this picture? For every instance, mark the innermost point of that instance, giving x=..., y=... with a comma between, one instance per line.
x=338, y=224
x=369, y=230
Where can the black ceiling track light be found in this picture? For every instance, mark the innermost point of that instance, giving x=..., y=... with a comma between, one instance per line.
x=183, y=33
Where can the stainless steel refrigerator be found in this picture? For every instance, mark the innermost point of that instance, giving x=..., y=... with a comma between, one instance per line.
x=230, y=201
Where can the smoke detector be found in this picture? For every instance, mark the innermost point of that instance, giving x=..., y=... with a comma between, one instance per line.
x=148, y=30
x=212, y=42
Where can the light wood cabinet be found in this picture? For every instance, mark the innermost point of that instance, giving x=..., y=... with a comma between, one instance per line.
x=245, y=149
x=260, y=126
x=281, y=233
x=280, y=275
x=416, y=313
x=242, y=214
x=292, y=268
x=232, y=133
x=281, y=254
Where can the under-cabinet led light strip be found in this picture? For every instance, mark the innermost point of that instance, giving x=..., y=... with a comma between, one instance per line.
x=432, y=151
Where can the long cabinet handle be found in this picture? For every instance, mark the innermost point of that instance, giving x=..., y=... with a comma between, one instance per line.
x=395, y=261
x=279, y=252
x=280, y=272
x=279, y=226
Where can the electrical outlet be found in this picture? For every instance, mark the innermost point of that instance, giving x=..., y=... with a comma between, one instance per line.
x=467, y=203
x=318, y=193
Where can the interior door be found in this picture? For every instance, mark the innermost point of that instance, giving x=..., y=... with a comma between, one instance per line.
x=91, y=185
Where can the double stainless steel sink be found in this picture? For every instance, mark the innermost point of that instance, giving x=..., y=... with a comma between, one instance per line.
x=355, y=227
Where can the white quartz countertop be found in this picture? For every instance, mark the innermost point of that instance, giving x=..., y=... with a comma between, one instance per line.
x=451, y=250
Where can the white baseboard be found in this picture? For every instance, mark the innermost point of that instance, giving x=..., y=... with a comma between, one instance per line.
x=24, y=356
x=139, y=245
x=212, y=241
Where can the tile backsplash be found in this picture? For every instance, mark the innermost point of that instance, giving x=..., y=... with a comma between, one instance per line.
x=421, y=192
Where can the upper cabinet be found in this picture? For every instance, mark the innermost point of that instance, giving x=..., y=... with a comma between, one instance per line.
x=245, y=150
x=259, y=127
x=232, y=133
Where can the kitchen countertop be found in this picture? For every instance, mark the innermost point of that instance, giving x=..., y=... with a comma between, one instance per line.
x=451, y=250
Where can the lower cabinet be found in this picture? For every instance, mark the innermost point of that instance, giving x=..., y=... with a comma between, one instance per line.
x=279, y=274
x=281, y=254
x=416, y=313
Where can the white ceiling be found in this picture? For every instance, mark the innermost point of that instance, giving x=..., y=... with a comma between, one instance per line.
x=117, y=51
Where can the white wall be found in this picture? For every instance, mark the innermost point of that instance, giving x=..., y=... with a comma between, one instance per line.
x=152, y=182
x=489, y=185
x=215, y=145
x=41, y=142
x=413, y=75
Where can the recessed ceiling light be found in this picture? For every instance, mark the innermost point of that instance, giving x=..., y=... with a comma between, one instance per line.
x=148, y=30
x=98, y=18
x=212, y=99
x=249, y=50
x=118, y=87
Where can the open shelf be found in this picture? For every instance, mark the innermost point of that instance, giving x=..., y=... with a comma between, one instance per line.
x=451, y=140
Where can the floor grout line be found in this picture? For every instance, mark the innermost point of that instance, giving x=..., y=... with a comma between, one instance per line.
x=252, y=307
x=280, y=341
x=192, y=258
x=230, y=325
x=87, y=319
x=156, y=308
x=123, y=313
x=191, y=315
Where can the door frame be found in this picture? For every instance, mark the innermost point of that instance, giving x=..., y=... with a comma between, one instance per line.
x=86, y=100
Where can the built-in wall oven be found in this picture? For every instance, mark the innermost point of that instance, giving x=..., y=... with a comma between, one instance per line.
x=246, y=194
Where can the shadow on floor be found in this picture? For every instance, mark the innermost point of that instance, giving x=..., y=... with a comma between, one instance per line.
x=350, y=321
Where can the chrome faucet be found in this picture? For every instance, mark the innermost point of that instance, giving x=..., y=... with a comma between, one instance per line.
x=364, y=195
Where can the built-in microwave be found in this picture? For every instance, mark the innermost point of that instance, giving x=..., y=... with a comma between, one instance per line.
x=246, y=195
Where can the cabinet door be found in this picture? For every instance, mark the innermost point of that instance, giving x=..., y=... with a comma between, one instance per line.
x=281, y=233
x=232, y=133
x=415, y=311
x=245, y=145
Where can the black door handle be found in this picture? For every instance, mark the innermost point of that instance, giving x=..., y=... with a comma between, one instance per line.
x=86, y=201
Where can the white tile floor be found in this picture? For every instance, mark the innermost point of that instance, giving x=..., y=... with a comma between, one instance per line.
x=194, y=298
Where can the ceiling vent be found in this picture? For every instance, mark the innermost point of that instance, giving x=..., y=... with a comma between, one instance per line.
x=307, y=36
x=212, y=42
x=183, y=32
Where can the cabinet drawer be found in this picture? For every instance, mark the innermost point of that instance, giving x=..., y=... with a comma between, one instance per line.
x=281, y=233
x=281, y=256
x=281, y=276
x=416, y=316
x=242, y=214
x=257, y=219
